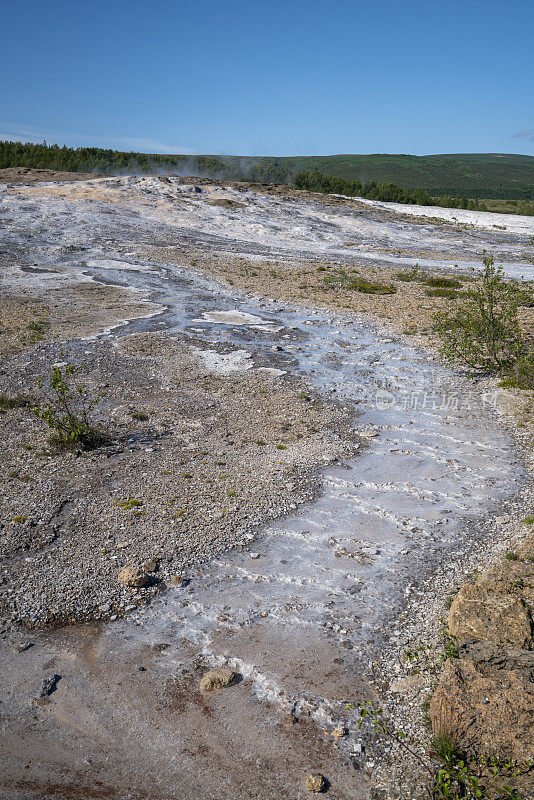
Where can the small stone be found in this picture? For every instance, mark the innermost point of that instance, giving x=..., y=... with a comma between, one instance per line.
x=254, y=555
x=133, y=576
x=22, y=646
x=150, y=566
x=315, y=782
x=217, y=678
x=48, y=685
x=178, y=580
x=339, y=732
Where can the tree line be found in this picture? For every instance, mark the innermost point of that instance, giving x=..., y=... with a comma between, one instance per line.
x=314, y=181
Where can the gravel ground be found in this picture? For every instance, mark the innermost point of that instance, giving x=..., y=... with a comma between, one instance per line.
x=207, y=459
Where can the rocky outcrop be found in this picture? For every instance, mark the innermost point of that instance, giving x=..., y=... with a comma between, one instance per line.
x=485, y=697
x=481, y=614
x=488, y=710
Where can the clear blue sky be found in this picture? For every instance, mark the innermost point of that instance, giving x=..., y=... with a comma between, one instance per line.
x=271, y=78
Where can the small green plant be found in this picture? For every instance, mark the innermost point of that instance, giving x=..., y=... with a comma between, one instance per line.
x=37, y=329
x=450, y=644
x=68, y=412
x=483, y=331
x=129, y=504
x=140, y=416
x=511, y=555
x=459, y=777
x=528, y=520
x=446, y=748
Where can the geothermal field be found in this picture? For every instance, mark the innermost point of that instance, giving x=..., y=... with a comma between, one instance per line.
x=289, y=486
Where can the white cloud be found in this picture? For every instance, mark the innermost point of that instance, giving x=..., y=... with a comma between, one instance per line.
x=528, y=135
x=28, y=133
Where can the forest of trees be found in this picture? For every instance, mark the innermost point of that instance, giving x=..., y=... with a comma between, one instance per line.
x=113, y=162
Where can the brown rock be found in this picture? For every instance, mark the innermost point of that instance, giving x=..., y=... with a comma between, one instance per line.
x=217, y=679
x=480, y=614
x=315, y=782
x=178, y=580
x=490, y=712
x=150, y=566
x=133, y=576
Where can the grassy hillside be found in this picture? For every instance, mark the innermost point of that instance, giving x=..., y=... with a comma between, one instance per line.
x=475, y=175
x=484, y=175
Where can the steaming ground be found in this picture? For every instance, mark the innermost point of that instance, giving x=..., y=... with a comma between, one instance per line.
x=232, y=372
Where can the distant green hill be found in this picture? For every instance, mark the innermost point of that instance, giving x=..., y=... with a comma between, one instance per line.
x=483, y=175
x=475, y=175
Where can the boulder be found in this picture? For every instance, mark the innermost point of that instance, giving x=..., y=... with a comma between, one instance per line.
x=217, y=678
x=133, y=576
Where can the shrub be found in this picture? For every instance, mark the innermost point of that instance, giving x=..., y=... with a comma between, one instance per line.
x=67, y=414
x=483, y=331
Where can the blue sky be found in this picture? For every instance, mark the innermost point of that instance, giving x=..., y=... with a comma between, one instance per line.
x=276, y=78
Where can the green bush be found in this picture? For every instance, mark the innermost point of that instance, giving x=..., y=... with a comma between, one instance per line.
x=482, y=332
x=68, y=412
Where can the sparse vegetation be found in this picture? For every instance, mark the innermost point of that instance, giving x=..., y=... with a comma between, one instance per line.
x=140, y=416
x=441, y=283
x=131, y=503
x=449, y=294
x=519, y=375
x=340, y=279
x=17, y=401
